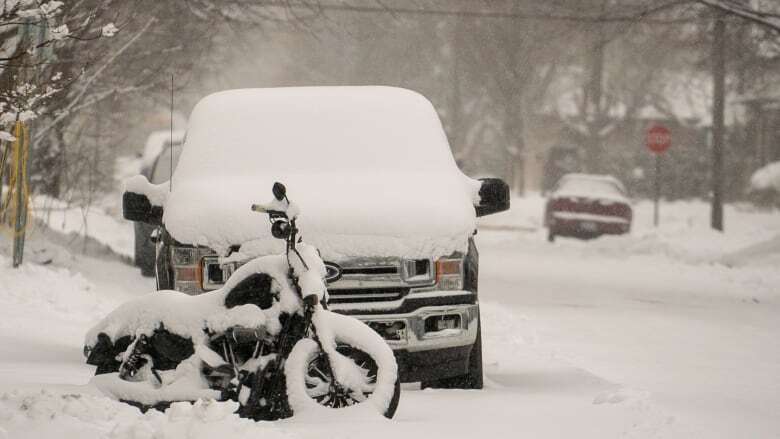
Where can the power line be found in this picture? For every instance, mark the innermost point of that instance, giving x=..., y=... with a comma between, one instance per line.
x=641, y=15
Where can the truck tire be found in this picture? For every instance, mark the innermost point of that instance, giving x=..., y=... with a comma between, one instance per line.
x=473, y=379
x=146, y=263
x=144, y=249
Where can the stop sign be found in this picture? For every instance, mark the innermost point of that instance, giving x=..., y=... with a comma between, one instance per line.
x=659, y=139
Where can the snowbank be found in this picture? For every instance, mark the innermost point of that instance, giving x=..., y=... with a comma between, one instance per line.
x=56, y=292
x=98, y=222
x=47, y=414
x=684, y=234
x=525, y=213
x=766, y=178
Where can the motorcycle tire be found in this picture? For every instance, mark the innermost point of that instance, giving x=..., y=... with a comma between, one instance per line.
x=311, y=387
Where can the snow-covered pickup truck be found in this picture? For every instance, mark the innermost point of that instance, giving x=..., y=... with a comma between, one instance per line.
x=384, y=202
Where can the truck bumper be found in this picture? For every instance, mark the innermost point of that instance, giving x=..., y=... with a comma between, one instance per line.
x=431, y=342
x=587, y=228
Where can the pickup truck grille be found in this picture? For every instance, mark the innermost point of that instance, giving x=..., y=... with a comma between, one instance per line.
x=367, y=280
x=362, y=280
x=363, y=295
x=370, y=270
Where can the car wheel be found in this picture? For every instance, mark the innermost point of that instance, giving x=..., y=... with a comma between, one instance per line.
x=471, y=380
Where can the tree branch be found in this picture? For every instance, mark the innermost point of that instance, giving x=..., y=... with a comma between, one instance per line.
x=766, y=19
x=67, y=110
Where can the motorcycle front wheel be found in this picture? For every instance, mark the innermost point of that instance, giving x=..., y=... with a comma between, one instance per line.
x=365, y=364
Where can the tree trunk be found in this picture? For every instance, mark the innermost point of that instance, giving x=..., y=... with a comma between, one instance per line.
x=594, y=91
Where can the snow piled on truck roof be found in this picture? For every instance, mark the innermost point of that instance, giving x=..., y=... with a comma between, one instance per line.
x=370, y=167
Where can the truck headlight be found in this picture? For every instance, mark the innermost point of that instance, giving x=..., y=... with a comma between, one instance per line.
x=186, y=269
x=214, y=273
x=187, y=274
x=449, y=274
x=184, y=256
x=417, y=271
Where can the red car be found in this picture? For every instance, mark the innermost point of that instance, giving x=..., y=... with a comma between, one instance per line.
x=586, y=206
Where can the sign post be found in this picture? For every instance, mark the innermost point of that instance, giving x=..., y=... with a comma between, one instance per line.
x=659, y=139
x=22, y=145
x=21, y=181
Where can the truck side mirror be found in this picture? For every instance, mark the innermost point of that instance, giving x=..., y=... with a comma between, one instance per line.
x=493, y=196
x=137, y=207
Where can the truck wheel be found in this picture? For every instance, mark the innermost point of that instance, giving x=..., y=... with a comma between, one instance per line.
x=471, y=380
x=146, y=263
x=144, y=249
x=550, y=236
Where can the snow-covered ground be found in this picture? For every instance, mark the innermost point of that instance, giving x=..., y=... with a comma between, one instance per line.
x=663, y=333
x=89, y=227
x=99, y=224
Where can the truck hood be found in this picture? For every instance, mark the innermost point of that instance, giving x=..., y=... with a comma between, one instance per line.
x=345, y=216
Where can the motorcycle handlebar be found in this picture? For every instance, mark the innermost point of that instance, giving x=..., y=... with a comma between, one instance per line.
x=264, y=209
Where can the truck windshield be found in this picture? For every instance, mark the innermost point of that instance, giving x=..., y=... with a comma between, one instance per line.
x=162, y=166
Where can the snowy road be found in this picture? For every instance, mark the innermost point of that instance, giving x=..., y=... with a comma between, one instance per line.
x=684, y=349
x=626, y=337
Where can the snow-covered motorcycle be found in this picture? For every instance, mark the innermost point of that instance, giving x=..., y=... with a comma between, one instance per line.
x=265, y=339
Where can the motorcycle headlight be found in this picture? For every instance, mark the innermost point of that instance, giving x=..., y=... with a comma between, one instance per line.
x=280, y=229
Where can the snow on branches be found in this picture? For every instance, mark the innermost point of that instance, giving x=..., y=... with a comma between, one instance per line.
x=31, y=28
x=10, y=9
x=22, y=102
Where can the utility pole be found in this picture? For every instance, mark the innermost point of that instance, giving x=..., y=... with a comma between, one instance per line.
x=718, y=103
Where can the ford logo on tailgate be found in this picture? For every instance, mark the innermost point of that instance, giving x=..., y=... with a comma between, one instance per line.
x=332, y=272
